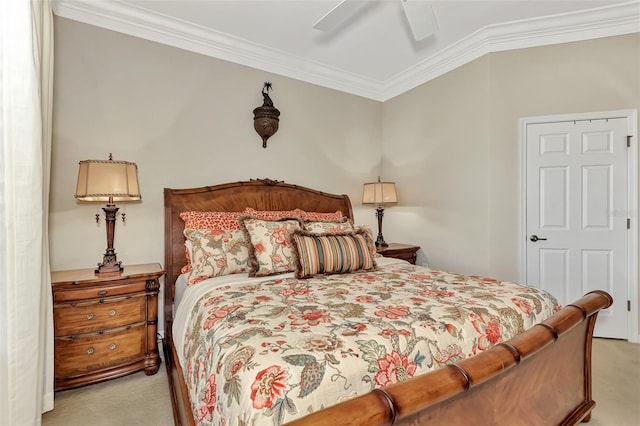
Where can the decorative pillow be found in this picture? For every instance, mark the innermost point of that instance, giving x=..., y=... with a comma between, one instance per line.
x=296, y=213
x=207, y=220
x=272, y=214
x=324, y=227
x=370, y=241
x=331, y=253
x=211, y=220
x=269, y=244
x=215, y=252
x=317, y=216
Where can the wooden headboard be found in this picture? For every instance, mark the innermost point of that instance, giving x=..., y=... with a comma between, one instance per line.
x=259, y=194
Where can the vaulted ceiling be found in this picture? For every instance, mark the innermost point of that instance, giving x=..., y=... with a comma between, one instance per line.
x=371, y=52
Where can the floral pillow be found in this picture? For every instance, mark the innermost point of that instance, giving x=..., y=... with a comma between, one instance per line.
x=296, y=213
x=332, y=227
x=370, y=240
x=331, y=253
x=317, y=216
x=272, y=214
x=269, y=244
x=215, y=252
x=207, y=220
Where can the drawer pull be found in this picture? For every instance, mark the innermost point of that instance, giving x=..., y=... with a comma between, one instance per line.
x=90, y=316
x=112, y=346
x=90, y=351
x=102, y=292
x=112, y=312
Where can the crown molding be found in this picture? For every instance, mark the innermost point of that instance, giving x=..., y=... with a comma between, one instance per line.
x=135, y=21
x=563, y=28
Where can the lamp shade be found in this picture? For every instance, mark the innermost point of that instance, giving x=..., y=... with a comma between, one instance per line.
x=379, y=193
x=108, y=180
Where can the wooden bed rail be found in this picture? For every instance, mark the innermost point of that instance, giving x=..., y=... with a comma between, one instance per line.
x=469, y=392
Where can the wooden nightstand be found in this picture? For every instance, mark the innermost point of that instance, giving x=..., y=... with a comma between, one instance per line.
x=400, y=251
x=105, y=325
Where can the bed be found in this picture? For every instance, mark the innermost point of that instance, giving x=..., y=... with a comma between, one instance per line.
x=538, y=376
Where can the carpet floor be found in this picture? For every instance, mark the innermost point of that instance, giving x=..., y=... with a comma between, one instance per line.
x=138, y=399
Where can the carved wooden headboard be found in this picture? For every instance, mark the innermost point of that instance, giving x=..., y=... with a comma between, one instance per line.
x=259, y=194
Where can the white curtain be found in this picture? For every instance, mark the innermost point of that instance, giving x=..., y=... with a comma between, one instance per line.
x=26, y=342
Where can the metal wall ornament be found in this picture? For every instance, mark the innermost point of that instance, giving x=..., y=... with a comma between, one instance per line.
x=265, y=117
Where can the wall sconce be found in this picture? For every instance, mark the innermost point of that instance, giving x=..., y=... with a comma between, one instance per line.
x=265, y=117
x=380, y=194
x=109, y=181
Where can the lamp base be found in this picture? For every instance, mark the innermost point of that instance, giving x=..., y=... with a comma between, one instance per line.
x=110, y=262
x=379, y=215
x=380, y=242
x=109, y=265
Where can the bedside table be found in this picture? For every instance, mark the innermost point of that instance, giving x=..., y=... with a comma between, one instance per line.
x=400, y=251
x=105, y=326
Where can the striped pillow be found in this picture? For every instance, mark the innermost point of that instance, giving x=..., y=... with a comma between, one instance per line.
x=331, y=253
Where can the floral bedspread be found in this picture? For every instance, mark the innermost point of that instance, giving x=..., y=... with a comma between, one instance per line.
x=263, y=353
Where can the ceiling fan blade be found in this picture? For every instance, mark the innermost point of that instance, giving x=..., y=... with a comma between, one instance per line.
x=338, y=14
x=421, y=18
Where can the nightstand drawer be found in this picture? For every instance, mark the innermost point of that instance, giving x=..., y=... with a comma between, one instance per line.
x=74, y=356
x=67, y=295
x=78, y=318
x=409, y=257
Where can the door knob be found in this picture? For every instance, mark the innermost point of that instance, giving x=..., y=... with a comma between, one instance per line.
x=535, y=238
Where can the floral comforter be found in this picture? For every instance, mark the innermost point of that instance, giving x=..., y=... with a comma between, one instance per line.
x=267, y=352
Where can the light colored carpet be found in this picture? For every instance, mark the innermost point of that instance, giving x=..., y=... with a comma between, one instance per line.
x=144, y=400
x=616, y=383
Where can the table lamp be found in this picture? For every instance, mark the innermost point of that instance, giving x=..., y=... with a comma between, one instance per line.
x=380, y=194
x=108, y=181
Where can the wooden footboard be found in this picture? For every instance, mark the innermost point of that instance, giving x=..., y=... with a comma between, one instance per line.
x=540, y=377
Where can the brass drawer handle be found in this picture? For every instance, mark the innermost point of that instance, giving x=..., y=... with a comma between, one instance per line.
x=90, y=316
x=102, y=292
x=112, y=346
x=112, y=312
x=90, y=351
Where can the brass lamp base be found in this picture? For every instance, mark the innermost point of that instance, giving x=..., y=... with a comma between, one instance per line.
x=109, y=265
x=110, y=262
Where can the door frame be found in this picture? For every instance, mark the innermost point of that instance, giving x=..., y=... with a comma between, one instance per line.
x=632, y=196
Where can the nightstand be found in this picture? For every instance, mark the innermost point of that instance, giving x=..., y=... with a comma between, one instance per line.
x=400, y=251
x=105, y=326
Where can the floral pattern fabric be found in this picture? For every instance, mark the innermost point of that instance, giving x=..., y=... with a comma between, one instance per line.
x=214, y=253
x=269, y=245
x=267, y=352
x=324, y=227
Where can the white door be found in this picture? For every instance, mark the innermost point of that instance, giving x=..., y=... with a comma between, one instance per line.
x=577, y=214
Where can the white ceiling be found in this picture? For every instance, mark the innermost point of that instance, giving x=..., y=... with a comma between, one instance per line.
x=371, y=54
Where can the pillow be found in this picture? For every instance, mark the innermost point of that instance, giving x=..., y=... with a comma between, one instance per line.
x=211, y=220
x=331, y=253
x=370, y=241
x=331, y=227
x=317, y=216
x=207, y=220
x=296, y=213
x=269, y=244
x=272, y=214
x=215, y=252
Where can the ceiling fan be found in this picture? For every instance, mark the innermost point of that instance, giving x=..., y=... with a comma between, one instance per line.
x=419, y=13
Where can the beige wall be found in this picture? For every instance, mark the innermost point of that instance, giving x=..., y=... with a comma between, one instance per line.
x=452, y=144
x=187, y=121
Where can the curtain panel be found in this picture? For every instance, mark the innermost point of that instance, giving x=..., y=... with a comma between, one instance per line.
x=26, y=324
